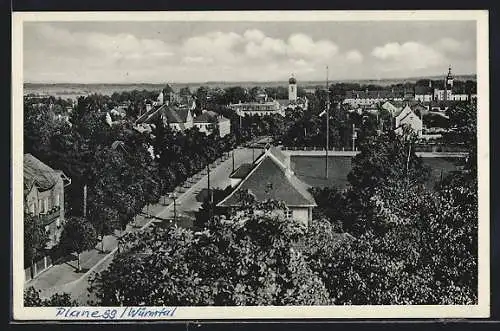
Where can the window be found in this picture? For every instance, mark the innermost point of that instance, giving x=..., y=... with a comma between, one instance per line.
x=58, y=201
x=58, y=223
x=288, y=213
x=40, y=206
x=32, y=208
x=46, y=205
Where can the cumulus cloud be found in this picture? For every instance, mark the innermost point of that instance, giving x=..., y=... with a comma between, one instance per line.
x=302, y=45
x=217, y=45
x=123, y=44
x=354, y=56
x=411, y=55
x=454, y=47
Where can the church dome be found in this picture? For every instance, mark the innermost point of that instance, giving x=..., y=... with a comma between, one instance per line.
x=292, y=80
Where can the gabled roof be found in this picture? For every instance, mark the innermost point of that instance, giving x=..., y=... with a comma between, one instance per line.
x=148, y=116
x=207, y=116
x=39, y=174
x=175, y=115
x=407, y=111
x=271, y=179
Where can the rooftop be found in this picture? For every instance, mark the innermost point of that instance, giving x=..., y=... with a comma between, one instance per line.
x=271, y=179
x=207, y=116
x=39, y=174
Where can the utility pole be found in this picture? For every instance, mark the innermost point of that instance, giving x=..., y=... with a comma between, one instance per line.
x=85, y=200
x=354, y=135
x=233, y=159
x=209, y=191
x=327, y=123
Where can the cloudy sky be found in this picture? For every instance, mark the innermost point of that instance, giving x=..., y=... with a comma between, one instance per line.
x=158, y=52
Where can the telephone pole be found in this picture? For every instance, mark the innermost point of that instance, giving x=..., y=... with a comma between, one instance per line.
x=327, y=123
x=85, y=200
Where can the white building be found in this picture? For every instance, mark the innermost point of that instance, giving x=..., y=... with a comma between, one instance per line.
x=271, y=177
x=407, y=117
x=208, y=121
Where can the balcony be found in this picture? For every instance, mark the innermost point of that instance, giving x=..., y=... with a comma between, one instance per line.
x=50, y=215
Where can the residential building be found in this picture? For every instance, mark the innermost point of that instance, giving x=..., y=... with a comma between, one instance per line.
x=208, y=121
x=271, y=177
x=263, y=105
x=177, y=118
x=258, y=108
x=44, y=195
x=368, y=98
x=408, y=117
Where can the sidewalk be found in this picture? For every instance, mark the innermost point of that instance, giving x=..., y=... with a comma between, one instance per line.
x=61, y=277
x=61, y=274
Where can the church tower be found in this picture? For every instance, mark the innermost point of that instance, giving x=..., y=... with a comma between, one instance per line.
x=448, y=85
x=292, y=89
x=449, y=79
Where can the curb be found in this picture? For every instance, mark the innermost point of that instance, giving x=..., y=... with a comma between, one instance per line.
x=101, y=261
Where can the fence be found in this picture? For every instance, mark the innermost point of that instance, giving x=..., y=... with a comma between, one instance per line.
x=432, y=148
x=314, y=148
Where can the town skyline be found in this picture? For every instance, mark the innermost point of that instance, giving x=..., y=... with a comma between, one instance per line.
x=197, y=52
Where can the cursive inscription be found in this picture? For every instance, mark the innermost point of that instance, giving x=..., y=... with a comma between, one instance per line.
x=115, y=313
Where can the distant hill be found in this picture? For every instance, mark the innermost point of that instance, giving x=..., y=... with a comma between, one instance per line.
x=73, y=90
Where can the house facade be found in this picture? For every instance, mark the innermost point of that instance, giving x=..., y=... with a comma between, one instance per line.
x=44, y=196
x=208, y=121
x=409, y=118
x=258, y=108
x=178, y=119
x=271, y=177
x=368, y=98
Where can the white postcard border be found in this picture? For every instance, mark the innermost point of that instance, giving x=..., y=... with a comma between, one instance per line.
x=482, y=309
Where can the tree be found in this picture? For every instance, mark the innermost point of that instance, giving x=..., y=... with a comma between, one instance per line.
x=404, y=256
x=32, y=299
x=250, y=259
x=184, y=91
x=35, y=239
x=78, y=236
x=388, y=156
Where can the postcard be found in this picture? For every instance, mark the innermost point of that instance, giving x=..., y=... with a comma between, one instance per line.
x=250, y=165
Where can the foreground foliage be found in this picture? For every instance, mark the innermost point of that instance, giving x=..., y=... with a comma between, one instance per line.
x=251, y=259
x=32, y=299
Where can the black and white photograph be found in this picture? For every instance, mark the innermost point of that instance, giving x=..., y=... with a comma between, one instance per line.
x=212, y=165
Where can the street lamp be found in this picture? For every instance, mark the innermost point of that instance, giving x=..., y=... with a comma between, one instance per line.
x=174, y=197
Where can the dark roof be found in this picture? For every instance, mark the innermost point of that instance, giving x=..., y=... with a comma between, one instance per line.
x=148, y=116
x=268, y=180
x=174, y=115
x=206, y=117
x=242, y=171
x=39, y=174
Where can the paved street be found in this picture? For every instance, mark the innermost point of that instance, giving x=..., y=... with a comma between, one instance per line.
x=64, y=278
